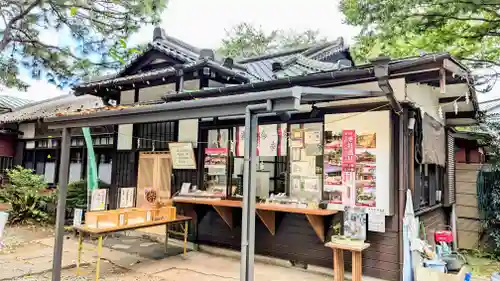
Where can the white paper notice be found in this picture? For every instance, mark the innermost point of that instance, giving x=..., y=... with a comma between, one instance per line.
x=98, y=202
x=127, y=197
x=376, y=219
x=185, y=187
x=77, y=217
x=312, y=137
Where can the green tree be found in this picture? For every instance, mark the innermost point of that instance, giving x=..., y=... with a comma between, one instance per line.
x=465, y=28
x=60, y=40
x=246, y=40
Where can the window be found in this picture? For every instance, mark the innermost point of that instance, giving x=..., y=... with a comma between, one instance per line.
x=429, y=185
x=75, y=166
x=295, y=171
x=104, y=164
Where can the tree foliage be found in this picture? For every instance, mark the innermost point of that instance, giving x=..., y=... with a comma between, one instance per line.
x=398, y=28
x=27, y=195
x=246, y=40
x=60, y=40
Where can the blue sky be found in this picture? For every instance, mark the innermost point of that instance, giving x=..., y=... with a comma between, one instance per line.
x=184, y=18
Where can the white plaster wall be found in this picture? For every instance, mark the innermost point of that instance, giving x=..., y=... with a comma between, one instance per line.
x=28, y=129
x=426, y=97
x=188, y=129
x=192, y=85
x=378, y=122
x=155, y=92
x=127, y=97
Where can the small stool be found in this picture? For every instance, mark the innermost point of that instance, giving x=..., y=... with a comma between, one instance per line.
x=338, y=260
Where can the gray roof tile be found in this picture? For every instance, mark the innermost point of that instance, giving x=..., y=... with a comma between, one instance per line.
x=299, y=61
x=9, y=102
x=50, y=108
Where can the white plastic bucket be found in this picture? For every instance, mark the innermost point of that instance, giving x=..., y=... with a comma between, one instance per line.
x=3, y=221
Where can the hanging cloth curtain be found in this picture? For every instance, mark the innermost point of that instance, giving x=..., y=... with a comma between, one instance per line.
x=433, y=141
x=91, y=166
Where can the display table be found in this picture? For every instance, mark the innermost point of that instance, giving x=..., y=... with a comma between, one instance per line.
x=338, y=259
x=100, y=232
x=266, y=212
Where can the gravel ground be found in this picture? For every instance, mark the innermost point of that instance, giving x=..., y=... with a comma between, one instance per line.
x=16, y=236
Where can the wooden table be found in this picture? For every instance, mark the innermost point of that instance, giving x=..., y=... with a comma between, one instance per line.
x=266, y=212
x=100, y=232
x=338, y=260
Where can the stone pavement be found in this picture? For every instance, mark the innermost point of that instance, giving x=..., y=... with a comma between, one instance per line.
x=33, y=261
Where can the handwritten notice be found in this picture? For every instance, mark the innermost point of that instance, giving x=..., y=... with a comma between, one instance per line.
x=127, y=197
x=182, y=156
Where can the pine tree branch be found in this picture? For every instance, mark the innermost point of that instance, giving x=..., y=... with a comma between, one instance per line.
x=12, y=21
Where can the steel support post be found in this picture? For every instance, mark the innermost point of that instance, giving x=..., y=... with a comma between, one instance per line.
x=61, y=204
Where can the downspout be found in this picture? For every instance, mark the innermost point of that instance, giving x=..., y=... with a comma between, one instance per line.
x=403, y=183
x=249, y=186
x=381, y=69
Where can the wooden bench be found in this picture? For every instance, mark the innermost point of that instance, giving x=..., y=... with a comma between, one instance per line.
x=338, y=260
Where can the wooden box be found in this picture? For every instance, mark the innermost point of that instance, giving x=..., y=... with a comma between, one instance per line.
x=165, y=213
x=111, y=218
x=104, y=219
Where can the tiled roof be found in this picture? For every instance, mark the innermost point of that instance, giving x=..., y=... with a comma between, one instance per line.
x=9, y=102
x=50, y=108
x=299, y=61
x=489, y=105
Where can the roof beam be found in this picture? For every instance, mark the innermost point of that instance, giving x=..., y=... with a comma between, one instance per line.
x=451, y=99
x=282, y=100
x=462, y=114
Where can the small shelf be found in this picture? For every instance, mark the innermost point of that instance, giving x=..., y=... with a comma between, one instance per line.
x=266, y=213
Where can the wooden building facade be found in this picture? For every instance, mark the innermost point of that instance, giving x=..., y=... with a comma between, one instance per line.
x=32, y=145
x=418, y=154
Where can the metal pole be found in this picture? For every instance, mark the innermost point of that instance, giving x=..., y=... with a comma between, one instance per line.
x=454, y=225
x=61, y=204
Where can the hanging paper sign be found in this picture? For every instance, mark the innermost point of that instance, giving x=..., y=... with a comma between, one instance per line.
x=376, y=219
x=182, y=155
x=268, y=140
x=240, y=141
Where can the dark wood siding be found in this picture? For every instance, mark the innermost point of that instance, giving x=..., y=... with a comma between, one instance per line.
x=126, y=174
x=434, y=220
x=295, y=240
